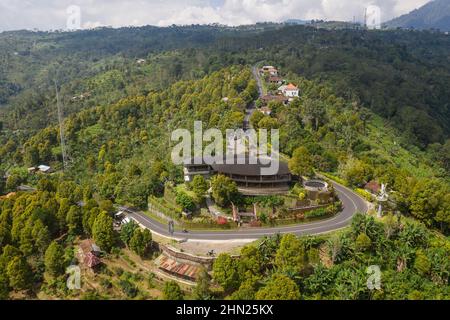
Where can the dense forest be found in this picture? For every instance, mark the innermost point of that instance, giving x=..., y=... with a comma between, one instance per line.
x=389, y=72
x=414, y=262
x=373, y=106
x=120, y=148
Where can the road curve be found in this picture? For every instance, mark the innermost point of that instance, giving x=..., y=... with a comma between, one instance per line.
x=352, y=204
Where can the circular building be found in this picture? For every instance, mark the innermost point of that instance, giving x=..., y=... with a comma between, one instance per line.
x=317, y=189
x=262, y=178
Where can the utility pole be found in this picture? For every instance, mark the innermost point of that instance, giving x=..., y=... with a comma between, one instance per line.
x=383, y=197
x=61, y=128
x=365, y=18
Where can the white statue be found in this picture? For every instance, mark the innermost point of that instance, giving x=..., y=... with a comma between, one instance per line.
x=382, y=197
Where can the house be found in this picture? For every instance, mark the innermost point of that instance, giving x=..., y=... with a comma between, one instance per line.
x=181, y=269
x=266, y=111
x=275, y=80
x=90, y=253
x=290, y=90
x=197, y=167
x=252, y=179
x=42, y=169
x=267, y=98
x=140, y=61
x=373, y=187
x=91, y=260
x=32, y=170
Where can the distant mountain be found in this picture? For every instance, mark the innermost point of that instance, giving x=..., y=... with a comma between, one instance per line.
x=433, y=15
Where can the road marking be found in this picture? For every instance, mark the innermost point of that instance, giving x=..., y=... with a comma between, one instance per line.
x=297, y=229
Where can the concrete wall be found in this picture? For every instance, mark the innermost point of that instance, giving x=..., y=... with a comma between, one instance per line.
x=207, y=262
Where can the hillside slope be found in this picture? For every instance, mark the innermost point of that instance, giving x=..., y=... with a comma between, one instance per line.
x=433, y=15
x=401, y=76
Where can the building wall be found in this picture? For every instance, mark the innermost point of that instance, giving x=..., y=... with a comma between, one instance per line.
x=290, y=93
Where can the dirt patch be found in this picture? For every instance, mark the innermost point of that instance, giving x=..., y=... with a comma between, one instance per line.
x=201, y=248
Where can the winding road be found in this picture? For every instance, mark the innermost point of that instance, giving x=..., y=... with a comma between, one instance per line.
x=352, y=204
x=252, y=107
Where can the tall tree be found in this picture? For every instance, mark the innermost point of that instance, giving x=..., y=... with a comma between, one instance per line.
x=279, y=287
x=224, y=190
x=225, y=272
x=54, y=259
x=199, y=186
x=202, y=289
x=103, y=231
x=140, y=241
x=19, y=274
x=127, y=232
x=74, y=220
x=172, y=291
x=290, y=256
x=301, y=162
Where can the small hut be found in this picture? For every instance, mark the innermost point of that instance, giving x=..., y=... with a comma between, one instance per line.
x=91, y=260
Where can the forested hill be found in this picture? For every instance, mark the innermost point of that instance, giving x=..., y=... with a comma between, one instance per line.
x=121, y=151
x=433, y=15
x=402, y=76
x=119, y=154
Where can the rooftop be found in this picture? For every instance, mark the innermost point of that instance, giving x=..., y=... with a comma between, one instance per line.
x=249, y=169
x=242, y=166
x=179, y=269
x=291, y=86
x=44, y=168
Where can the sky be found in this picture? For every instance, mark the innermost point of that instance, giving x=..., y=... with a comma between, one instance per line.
x=85, y=14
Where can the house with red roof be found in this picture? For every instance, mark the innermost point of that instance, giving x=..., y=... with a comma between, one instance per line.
x=373, y=187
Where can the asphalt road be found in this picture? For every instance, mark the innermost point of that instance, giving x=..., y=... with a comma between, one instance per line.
x=352, y=204
x=252, y=107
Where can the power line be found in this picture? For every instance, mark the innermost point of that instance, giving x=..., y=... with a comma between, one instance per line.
x=61, y=128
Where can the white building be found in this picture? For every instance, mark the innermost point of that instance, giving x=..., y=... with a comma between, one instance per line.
x=45, y=169
x=270, y=70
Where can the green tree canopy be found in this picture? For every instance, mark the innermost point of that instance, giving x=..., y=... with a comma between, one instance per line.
x=19, y=274
x=290, y=256
x=54, y=259
x=279, y=287
x=225, y=272
x=301, y=162
x=199, y=185
x=103, y=231
x=224, y=190
x=172, y=291
x=140, y=241
x=127, y=232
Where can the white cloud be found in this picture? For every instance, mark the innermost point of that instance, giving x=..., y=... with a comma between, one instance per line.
x=51, y=14
x=402, y=7
x=236, y=12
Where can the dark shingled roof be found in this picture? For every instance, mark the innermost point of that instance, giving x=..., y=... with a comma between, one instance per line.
x=248, y=169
